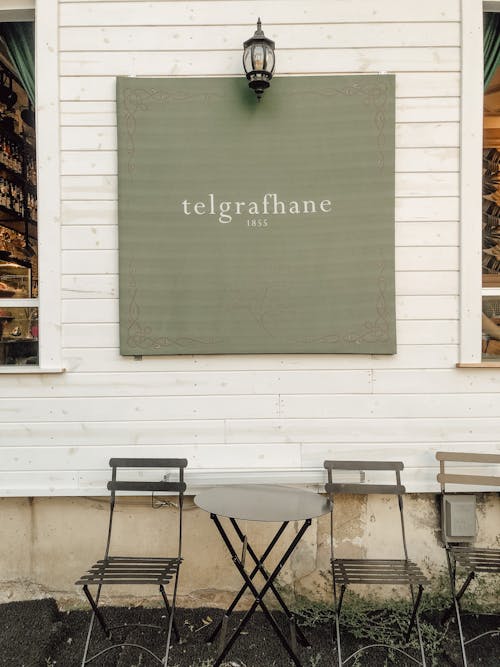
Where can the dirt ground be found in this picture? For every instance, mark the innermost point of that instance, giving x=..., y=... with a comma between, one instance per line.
x=38, y=634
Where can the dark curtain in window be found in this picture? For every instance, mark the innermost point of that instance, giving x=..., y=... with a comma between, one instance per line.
x=20, y=42
x=491, y=46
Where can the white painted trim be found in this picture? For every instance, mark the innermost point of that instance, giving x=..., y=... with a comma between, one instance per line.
x=48, y=182
x=471, y=181
x=18, y=4
x=18, y=303
x=12, y=15
x=491, y=6
x=17, y=10
x=27, y=370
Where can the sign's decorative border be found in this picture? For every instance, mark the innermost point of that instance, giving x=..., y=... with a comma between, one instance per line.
x=377, y=330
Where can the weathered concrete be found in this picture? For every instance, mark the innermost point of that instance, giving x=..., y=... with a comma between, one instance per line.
x=47, y=543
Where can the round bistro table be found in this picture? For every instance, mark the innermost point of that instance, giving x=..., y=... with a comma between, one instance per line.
x=264, y=503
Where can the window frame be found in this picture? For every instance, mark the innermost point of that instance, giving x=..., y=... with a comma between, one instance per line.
x=471, y=133
x=48, y=180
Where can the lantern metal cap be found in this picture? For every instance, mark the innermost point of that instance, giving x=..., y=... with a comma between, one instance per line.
x=259, y=35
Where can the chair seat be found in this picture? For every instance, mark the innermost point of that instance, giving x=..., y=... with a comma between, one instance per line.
x=130, y=570
x=377, y=571
x=477, y=560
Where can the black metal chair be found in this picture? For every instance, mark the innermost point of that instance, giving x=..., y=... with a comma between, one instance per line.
x=352, y=571
x=462, y=557
x=125, y=570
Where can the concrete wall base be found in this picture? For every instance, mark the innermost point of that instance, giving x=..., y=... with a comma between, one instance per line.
x=48, y=543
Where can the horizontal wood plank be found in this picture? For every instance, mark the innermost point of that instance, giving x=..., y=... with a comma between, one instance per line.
x=299, y=36
x=362, y=430
x=104, y=162
x=296, y=62
x=94, y=359
x=219, y=385
x=105, y=237
x=240, y=12
x=427, y=332
x=389, y=406
x=90, y=457
x=85, y=137
x=105, y=434
x=95, y=90
x=422, y=258
x=77, y=190
x=407, y=259
x=408, y=283
x=407, y=308
x=419, y=455
x=438, y=381
x=429, y=233
x=413, y=209
x=426, y=282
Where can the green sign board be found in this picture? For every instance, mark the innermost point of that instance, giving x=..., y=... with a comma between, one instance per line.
x=256, y=227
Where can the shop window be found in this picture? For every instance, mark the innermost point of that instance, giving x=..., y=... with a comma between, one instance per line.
x=18, y=198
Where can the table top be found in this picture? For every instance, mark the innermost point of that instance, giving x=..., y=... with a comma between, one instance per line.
x=262, y=502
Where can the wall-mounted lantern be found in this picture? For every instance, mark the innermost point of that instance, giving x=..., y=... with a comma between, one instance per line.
x=258, y=61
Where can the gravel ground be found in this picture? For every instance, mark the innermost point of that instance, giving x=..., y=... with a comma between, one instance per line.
x=38, y=634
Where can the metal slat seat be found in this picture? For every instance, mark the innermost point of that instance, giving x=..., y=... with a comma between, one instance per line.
x=463, y=558
x=127, y=570
x=373, y=571
x=479, y=560
x=376, y=571
x=137, y=570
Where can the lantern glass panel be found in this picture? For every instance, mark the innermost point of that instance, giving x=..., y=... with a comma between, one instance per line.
x=258, y=57
x=247, y=59
x=269, y=60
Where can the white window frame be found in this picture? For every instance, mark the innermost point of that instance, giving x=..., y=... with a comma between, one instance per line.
x=48, y=181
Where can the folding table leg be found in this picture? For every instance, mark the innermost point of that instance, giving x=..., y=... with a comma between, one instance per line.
x=295, y=631
x=233, y=604
x=259, y=595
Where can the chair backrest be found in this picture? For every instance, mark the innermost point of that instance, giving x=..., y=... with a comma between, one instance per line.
x=140, y=486
x=361, y=487
x=332, y=487
x=458, y=511
x=178, y=487
x=487, y=479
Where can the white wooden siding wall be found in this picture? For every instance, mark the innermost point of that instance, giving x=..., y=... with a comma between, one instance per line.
x=274, y=413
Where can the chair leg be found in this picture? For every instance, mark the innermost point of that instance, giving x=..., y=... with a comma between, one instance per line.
x=87, y=641
x=171, y=621
x=97, y=611
x=420, y=640
x=337, y=606
x=416, y=604
x=337, y=631
x=415, y=620
x=169, y=610
x=341, y=598
x=456, y=603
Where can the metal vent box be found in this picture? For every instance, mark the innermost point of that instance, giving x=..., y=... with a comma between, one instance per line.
x=459, y=518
